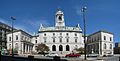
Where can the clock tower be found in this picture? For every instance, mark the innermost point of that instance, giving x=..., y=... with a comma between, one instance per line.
x=59, y=18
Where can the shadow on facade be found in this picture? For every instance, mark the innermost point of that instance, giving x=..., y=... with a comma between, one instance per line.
x=31, y=58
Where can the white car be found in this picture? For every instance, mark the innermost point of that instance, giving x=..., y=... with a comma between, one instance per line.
x=51, y=55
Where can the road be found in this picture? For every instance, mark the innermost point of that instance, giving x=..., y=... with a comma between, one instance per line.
x=113, y=58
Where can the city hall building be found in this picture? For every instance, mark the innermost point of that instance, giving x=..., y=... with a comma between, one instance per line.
x=61, y=39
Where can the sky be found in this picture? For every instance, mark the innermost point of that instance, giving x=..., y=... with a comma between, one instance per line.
x=100, y=14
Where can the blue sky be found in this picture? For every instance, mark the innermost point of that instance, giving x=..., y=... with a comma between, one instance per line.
x=100, y=15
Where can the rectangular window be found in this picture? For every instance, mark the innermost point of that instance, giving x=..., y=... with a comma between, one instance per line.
x=76, y=40
x=67, y=34
x=45, y=40
x=9, y=38
x=67, y=40
x=16, y=37
x=110, y=38
x=60, y=39
x=35, y=41
x=104, y=37
x=54, y=40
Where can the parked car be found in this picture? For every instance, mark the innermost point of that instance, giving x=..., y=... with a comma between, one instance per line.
x=51, y=55
x=92, y=55
x=72, y=55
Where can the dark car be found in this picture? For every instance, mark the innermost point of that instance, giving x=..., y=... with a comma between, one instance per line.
x=72, y=55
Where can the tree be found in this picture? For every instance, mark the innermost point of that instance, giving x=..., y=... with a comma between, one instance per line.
x=42, y=48
x=80, y=50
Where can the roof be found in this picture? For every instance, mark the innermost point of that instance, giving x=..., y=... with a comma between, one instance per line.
x=47, y=29
x=101, y=31
x=22, y=32
x=5, y=26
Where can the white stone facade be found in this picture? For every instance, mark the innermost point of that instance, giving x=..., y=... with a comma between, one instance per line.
x=100, y=43
x=21, y=42
x=61, y=39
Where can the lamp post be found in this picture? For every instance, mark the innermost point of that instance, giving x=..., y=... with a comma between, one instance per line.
x=84, y=20
x=13, y=18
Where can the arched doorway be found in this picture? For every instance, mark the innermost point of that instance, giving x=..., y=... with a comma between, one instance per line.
x=60, y=48
x=53, y=48
x=67, y=48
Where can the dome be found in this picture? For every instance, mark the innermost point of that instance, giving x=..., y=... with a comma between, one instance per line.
x=59, y=12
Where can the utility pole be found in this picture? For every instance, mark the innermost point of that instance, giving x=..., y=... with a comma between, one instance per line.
x=13, y=18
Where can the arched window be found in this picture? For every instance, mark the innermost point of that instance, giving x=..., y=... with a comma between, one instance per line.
x=10, y=45
x=104, y=46
x=53, y=48
x=60, y=48
x=67, y=48
x=60, y=18
x=16, y=45
x=110, y=46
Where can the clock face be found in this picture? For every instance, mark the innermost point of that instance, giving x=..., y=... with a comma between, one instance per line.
x=60, y=18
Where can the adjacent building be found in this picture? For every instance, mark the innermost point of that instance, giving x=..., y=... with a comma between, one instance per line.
x=21, y=42
x=4, y=29
x=101, y=43
x=117, y=44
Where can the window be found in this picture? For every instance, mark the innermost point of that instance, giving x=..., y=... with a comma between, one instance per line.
x=67, y=34
x=60, y=33
x=54, y=40
x=104, y=46
x=22, y=37
x=53, y=34
x=75, y=34
x=67, y=48
x=60, y=48
x=9, y=38
x=16, y=46
x=35, y=47
x=53, y=48
x=110, y=46
x=60, y=18
x=67, y=39
x=44, y=34
x=75, y=40
x=110, y=38
x=60, y=39
x=16, y=37
x=35, y=41
x=10, y=45
x=104, y=37
x=45, y=40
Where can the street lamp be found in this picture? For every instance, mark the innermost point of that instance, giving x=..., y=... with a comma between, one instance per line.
x=84, y=20
x=13, y=18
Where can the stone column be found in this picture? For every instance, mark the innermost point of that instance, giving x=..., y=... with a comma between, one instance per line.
x=22, y=48
x=28, y=48
x=25, y=48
